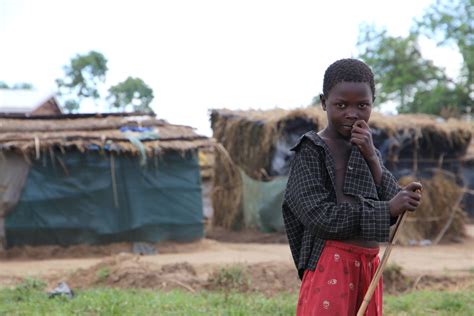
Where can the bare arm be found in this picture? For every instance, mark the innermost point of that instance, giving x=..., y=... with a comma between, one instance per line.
x=362, y=138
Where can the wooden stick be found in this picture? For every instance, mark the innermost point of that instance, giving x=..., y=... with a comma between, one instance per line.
x=381, y=267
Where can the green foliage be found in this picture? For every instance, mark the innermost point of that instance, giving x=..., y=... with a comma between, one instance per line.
x=31, y=284
x=315, y=101
x=451, y=23
x=103, y=274
x=134, y=93
x=71, y=105
x=444, y=99
x=26, y=287
x=84, y=74
x=82, y=78
x=230, y=278
x=22, y=86
x=16, y=86
x=416, y=84
x=399, y=68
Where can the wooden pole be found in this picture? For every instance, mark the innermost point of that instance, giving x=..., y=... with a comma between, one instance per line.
x=383, y=262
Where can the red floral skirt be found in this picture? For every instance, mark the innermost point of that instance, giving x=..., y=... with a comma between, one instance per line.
x=338, y=284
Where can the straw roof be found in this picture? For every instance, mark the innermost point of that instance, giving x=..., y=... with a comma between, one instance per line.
x=273, y=116
x=250, y=136
x=102, y=131
x=433, y=135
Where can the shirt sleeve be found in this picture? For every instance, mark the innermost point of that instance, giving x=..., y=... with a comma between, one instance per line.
x=313, y=203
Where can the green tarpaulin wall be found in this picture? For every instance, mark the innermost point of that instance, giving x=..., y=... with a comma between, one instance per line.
x=262, y=203
x=160, y=201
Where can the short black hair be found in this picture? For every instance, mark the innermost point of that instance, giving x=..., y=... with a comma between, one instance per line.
x=348, y=70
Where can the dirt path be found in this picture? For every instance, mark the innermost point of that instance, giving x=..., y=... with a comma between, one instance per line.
x=453, y=259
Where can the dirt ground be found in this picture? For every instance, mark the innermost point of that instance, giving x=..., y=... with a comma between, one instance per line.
x=260, y=262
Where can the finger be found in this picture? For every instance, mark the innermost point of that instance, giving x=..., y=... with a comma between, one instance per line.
x=409, y=207
x=362, y=124
x=414, y=195
x=359, y=130
x=414, y=203
x=357, y=141
x=414, y=186
x=358, y=137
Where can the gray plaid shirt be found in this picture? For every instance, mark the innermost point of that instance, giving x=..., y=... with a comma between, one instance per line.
x=310, y=209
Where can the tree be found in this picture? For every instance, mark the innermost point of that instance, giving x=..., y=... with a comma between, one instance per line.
x=16, y=86
x=22, y=86
x=406, y=77
x=71, y=105
x=451, y=23
x=443, y=99
x=399, y=68
x=133, y=92
x=82, y=77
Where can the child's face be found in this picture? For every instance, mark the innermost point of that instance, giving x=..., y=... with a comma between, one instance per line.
x=346, y=103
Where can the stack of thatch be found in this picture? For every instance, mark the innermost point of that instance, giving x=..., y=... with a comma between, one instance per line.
x=256, y=140
x=440, y=216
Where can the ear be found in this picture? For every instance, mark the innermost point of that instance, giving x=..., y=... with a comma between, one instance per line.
x=322, y=98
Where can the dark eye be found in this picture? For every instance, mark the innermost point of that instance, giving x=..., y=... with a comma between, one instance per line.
x=363, y=105
x=341, y=105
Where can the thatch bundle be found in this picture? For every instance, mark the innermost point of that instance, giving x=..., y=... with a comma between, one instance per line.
x=258, y=143
x=440, y=216
x=227, y=191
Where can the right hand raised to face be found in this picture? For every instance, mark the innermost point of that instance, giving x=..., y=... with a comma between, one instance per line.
x=408, y=199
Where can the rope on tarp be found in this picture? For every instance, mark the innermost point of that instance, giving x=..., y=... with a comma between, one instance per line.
x=114, y=182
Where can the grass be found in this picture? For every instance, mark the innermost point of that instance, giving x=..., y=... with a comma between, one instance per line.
x=103, y=274
x=230, y=278
x=431, y=303
x=30, y=298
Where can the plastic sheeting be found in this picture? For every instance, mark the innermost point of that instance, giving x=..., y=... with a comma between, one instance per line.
x=468, y=177
x=77, y=204
x=13, y=174
x=262, y=203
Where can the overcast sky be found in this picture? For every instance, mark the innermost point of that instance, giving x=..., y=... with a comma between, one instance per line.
x=198, y=55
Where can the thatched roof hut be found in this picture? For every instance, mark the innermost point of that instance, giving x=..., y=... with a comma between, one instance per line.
x=255, y=138
x=258, y=142
x=97, y=179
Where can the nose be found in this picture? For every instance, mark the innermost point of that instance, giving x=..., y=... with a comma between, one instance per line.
x=352, y=114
